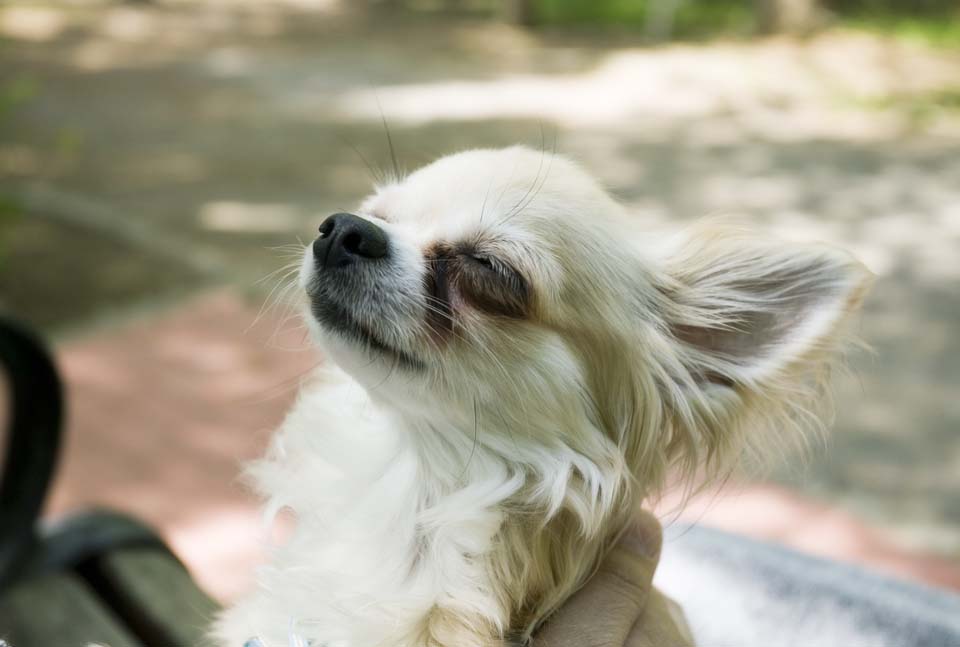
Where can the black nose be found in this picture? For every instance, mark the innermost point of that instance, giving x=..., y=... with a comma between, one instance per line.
x=346, y=239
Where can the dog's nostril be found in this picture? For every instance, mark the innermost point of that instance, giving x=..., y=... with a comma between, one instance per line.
x=352, y=242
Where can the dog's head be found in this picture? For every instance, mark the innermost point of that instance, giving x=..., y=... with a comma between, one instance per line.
x=508, y=282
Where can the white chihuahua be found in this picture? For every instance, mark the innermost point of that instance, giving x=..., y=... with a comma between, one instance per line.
x=517, y=368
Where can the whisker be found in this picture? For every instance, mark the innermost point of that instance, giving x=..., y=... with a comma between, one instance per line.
x=476, y=435
x=284, y=284
x=376, y=176
x=538, y=183
x=393, y=153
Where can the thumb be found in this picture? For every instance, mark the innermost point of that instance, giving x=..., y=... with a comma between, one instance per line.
x=604, y=611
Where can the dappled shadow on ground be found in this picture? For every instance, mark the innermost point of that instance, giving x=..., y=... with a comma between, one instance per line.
x=193, y=133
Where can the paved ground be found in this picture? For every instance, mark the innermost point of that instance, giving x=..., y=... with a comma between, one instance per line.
x=154, y=152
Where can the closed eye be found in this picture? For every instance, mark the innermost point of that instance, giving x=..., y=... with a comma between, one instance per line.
x=483, y=260
x=485, y=281
x=494, y=284
x=497, y=268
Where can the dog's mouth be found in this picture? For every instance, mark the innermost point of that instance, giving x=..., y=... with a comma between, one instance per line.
x=340, y=320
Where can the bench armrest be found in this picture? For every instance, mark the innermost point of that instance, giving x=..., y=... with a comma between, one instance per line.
x=32, y=441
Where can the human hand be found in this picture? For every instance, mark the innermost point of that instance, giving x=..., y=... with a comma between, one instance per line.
x=618, y=606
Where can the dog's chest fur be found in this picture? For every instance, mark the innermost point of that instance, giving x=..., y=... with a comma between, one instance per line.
x=389, y=549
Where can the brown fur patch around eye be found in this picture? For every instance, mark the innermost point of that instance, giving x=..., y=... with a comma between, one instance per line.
x=440, y=261
x=497, y=290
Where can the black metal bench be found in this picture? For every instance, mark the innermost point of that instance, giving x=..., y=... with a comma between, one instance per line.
x=96, y=577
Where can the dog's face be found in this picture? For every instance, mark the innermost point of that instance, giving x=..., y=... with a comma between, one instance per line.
x=481, y=264
x=510, y=277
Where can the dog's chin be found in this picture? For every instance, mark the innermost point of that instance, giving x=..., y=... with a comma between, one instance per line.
x=337, y=320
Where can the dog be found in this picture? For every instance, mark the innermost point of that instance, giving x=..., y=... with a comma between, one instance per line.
x=516, y=365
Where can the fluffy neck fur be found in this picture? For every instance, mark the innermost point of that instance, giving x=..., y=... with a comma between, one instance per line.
x=409, y=532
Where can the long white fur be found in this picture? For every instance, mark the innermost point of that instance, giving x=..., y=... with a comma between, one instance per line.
x=458, y=505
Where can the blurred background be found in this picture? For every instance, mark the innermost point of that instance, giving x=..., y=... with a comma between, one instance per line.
x=159, y=158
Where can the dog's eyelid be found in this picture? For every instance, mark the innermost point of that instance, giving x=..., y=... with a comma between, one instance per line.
x=492, y=284
x=483, y=259
x=493, y=264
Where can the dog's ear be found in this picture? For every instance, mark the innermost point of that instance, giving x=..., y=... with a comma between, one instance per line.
x=744, y=311
x=753, y=328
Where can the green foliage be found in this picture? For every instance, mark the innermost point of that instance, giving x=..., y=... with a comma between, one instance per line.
x=10, y=214
x=693, y=18
x=69, y=142
x=14, y=93
x=937, y=31
x=585, y=11
x=892, y=7
x=919, y=108
x=933, y=22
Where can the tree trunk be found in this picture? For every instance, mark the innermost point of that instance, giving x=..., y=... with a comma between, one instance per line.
x=787, y=16
x=519, y=12
x=661, y=16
